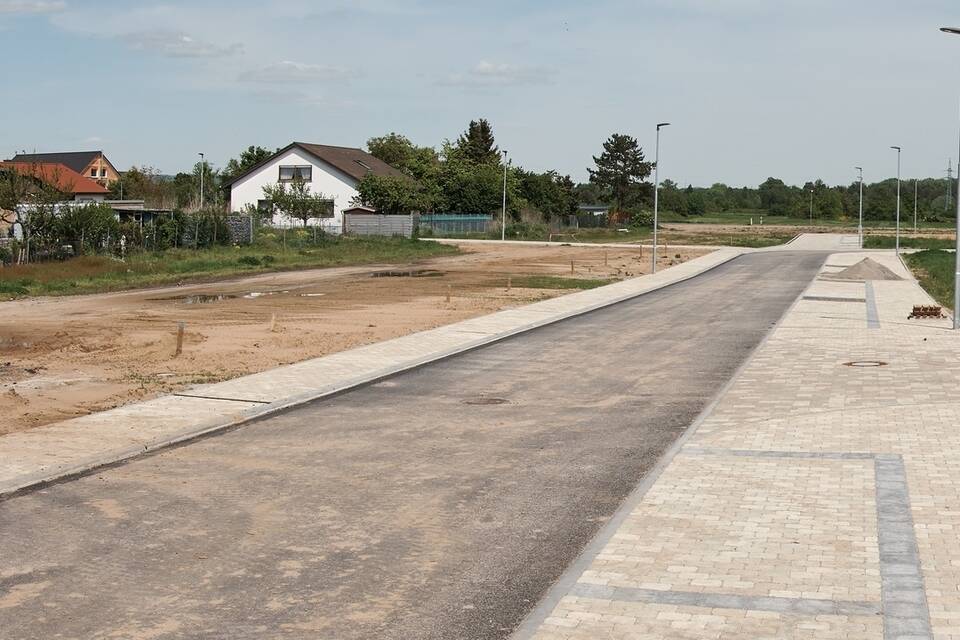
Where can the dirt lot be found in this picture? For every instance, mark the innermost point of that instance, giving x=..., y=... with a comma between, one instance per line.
x=65, y=357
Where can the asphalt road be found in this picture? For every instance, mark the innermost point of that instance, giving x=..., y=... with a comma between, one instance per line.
x=416, y=507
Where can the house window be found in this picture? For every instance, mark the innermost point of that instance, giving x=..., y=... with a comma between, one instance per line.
x=93, y=172
x=265, y=206
x=103, y=172
x=292, y=172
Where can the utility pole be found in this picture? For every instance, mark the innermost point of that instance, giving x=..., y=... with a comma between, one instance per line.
x=946, y=205
x=898, y=149
x=914, y=205
x=201, y=181
x=503, y=215
x=860, y=223
x=956, y=255
x=656, y=193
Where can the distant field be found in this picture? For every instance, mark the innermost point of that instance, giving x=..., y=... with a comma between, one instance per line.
x=910, y=242
x=934, y=269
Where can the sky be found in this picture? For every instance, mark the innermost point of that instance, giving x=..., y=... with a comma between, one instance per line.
x=752, y=88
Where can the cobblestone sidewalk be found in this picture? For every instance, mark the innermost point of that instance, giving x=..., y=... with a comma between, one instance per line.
x=820, y=498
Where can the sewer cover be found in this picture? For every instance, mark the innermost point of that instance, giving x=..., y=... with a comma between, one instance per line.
x=485, y=400
x=865, y=363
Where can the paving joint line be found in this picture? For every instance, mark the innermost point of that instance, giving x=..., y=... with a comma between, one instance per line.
x=708, y=600
x=902, y=592
x=193, y=395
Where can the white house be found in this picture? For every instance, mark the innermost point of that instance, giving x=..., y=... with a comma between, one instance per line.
x=332, y=171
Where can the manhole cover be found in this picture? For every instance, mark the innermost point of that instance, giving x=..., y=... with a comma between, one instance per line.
x=485, y=400
x=865, y=363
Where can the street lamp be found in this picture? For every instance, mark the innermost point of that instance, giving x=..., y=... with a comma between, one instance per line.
x=956, y=268
x=811, y=206
x=656, y=192
x=503, y=215
x=860, y=223
x=915, y=206
x=201, y=181
x=898, y=198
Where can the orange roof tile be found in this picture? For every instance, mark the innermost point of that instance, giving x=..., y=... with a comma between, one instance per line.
x=57, y=175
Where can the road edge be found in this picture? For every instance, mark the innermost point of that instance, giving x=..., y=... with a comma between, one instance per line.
x=535, y=618
x=32, y=481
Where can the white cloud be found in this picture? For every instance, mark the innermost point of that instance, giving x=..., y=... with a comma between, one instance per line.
x=296, y=97
x=176, y=44
x=92, y=140
x=486, y=74
x=294, y=72
x=32, y=6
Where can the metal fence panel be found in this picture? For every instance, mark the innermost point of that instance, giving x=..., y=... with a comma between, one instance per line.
x=373, y=224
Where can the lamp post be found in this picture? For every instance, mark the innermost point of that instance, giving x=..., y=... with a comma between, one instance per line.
x=915, y=205
x=811, y=206
x=656, y=193
x=201, y=181
x=956, y=268
x=860, y=223
x=503, y=214
x=898, y=198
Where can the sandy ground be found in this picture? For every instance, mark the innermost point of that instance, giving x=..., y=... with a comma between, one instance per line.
x=65, y=357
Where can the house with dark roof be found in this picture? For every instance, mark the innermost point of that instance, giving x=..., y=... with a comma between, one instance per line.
x=332, y=171
x=92, y=165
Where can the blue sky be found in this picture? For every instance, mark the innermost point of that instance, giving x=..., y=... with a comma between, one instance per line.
x=798, y=90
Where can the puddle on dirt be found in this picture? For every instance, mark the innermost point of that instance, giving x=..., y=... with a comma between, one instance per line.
x=206, y=298
x=312, y=295
x=260, y=294
x=414, y=273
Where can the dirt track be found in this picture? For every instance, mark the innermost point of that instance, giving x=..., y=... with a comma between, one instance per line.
x=65, y=357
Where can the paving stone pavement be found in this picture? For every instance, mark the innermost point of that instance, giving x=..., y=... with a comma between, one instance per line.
x=55, y=451
x=815, y=500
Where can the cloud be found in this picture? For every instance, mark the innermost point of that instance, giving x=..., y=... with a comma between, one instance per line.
x=294, y=72
x=176, y=44
x=302, y=98
x=92, y=140
x=490, y=74
x=32, y=6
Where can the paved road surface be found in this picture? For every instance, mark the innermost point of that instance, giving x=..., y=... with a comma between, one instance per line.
x=411, y=508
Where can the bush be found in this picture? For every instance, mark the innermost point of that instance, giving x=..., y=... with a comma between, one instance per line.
x=526, y=231
x=6, y=255
x=249, y=261
x=641, y=219
x=267, y=259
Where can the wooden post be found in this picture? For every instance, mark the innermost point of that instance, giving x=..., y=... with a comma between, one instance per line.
x=448, y=292
x=273, y=322
x=571, y=266
x=181, y=325
x=605, y=252
x=509, y=283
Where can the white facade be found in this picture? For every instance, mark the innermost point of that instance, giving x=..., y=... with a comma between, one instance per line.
x=325, y=179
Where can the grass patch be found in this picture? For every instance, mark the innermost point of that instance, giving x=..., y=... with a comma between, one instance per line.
x=94, y=274
x=889, y=242
x=934, y=269
x=558, y=282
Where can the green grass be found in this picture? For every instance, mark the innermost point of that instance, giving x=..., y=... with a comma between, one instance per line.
x=94, y=274
x=889, y=242
x=557, y=282
x=934, y=269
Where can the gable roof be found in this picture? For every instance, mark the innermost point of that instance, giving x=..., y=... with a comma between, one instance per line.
x=76, y=160
x=354, y=162
x=57, y=175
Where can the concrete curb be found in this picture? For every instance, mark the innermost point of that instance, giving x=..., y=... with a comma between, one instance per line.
x=31, y=480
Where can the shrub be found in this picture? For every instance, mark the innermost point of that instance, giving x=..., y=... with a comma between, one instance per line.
x=6, y=255
x=267, y=259
x=249, y=261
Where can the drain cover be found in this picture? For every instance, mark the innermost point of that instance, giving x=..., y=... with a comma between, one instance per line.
x=865, y=363
x=485, y=400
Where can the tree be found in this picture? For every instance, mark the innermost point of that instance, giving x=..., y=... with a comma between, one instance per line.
x=249, y=157
x=466, y=187
x=88, y=227
x=389, y=195
x=477, y=143
x=28, y=201
x=296, y=201
x=620, y=168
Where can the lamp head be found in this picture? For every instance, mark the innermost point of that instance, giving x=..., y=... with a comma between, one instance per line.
x=662, y=124
x=897, y=148
x=953, y=30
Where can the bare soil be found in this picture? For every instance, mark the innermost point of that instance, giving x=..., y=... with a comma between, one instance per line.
x=70, y=356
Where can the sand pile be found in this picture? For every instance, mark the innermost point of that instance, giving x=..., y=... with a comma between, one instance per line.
x=866, y=269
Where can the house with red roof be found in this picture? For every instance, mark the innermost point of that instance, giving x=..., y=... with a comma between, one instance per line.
x=71, y=184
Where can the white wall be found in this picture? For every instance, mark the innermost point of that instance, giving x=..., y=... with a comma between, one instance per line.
x=325, y=179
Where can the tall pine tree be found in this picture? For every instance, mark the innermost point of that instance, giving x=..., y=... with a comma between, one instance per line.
x=620, y=167
x=477, y=143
